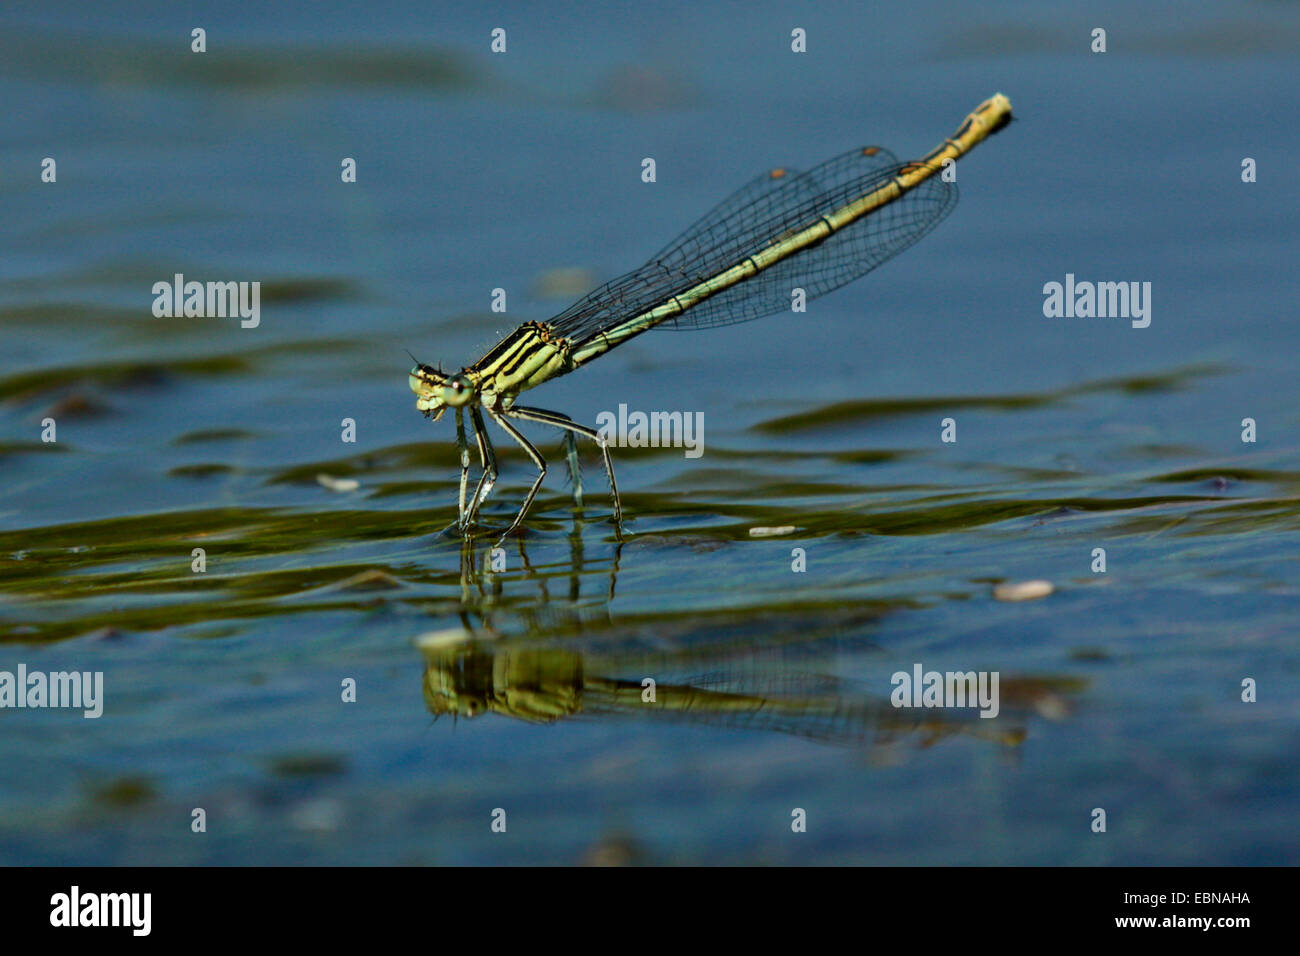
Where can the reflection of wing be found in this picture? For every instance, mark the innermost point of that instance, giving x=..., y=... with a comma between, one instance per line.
x=757, y=689
x=828, y=719
x=769, y=682
x=759, y=214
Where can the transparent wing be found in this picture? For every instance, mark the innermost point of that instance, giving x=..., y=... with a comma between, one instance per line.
x=759, y=214
x=830, y=719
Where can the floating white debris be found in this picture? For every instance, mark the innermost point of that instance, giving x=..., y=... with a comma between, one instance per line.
x=771, y=532
x=450, y=637
x=338, y=484
x=1023, y=590
x=1052, y=707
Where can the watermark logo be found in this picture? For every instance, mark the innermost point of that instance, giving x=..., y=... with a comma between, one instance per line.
x=922, y=688
x=654, y=430
x=1100, y=300
x=102, y=909
x=210, y=300
x=77, y=690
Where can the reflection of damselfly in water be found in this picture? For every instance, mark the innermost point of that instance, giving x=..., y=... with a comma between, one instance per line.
x=775, y=671
x=743, y=682
x=786, y=230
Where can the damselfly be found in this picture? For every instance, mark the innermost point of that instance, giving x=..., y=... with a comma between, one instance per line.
x=786, y=230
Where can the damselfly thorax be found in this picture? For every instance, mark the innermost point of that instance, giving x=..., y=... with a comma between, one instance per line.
x=814, y=230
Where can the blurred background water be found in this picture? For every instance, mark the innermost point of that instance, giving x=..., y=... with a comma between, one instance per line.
x=521, y=171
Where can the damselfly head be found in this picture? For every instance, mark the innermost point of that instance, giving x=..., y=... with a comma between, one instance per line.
x=454, y=704
x=436, y=390
x=426, y=383
x=457, y=681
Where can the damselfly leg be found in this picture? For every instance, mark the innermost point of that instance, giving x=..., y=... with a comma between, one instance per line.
x=560, y=420
x=532, y=453
x=487, y=454
x=487, y=457
x=575, y=467
x=463, y=447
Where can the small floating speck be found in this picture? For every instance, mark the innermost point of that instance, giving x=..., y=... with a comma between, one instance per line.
x=1023, y=590
x=76, y=405
x=614, y=850
x=774, y=532
x=338, y=484
x=128, y=791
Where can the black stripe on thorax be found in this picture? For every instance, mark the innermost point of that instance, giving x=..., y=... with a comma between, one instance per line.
x=502, y=347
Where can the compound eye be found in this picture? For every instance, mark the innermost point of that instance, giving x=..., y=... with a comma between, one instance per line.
x=456, y=392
